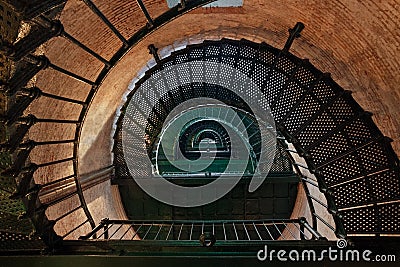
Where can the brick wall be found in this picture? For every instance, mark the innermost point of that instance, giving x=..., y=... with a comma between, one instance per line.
x=356, y=41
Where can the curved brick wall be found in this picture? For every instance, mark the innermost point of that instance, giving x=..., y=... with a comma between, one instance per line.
x=356, y=41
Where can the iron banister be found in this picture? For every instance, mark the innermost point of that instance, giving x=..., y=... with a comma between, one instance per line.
x=191, y=230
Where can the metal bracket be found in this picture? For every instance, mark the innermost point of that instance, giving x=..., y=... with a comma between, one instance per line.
x=293, y=34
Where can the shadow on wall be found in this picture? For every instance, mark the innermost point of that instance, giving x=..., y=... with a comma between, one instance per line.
x=94, y=158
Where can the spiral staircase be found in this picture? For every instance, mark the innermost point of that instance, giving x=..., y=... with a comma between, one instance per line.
x=327, y=143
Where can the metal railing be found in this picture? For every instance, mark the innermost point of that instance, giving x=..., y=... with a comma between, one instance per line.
x=31, y=65
x=17, y=86
x=205, y=231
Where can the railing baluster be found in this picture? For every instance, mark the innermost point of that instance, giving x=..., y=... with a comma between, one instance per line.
x=55, y=162
x=300, y=231
x=223, y=226
x=280, y=233
x=115, y=231
x=169, y=232
x=205, y=225
x=74, y=229
x=67, y=213
x=147, y=232
x=236, y=234
x=245, y=229
x=258, y=233
x=31, y=119
x=146, y=13
x=85, y=48
x=57, y=121
x=191, y=232
x=71, y=74
x=62, y=98
x=291, y=233
x=137, y=231
x=130, y=226
x=97, y=11
x=105, y=230
x=158, y=232
x=180, y=232
x=305, y=187
x=53, y=142
x=269, y=233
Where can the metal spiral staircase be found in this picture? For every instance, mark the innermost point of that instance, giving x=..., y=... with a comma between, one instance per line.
x=346, y=157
